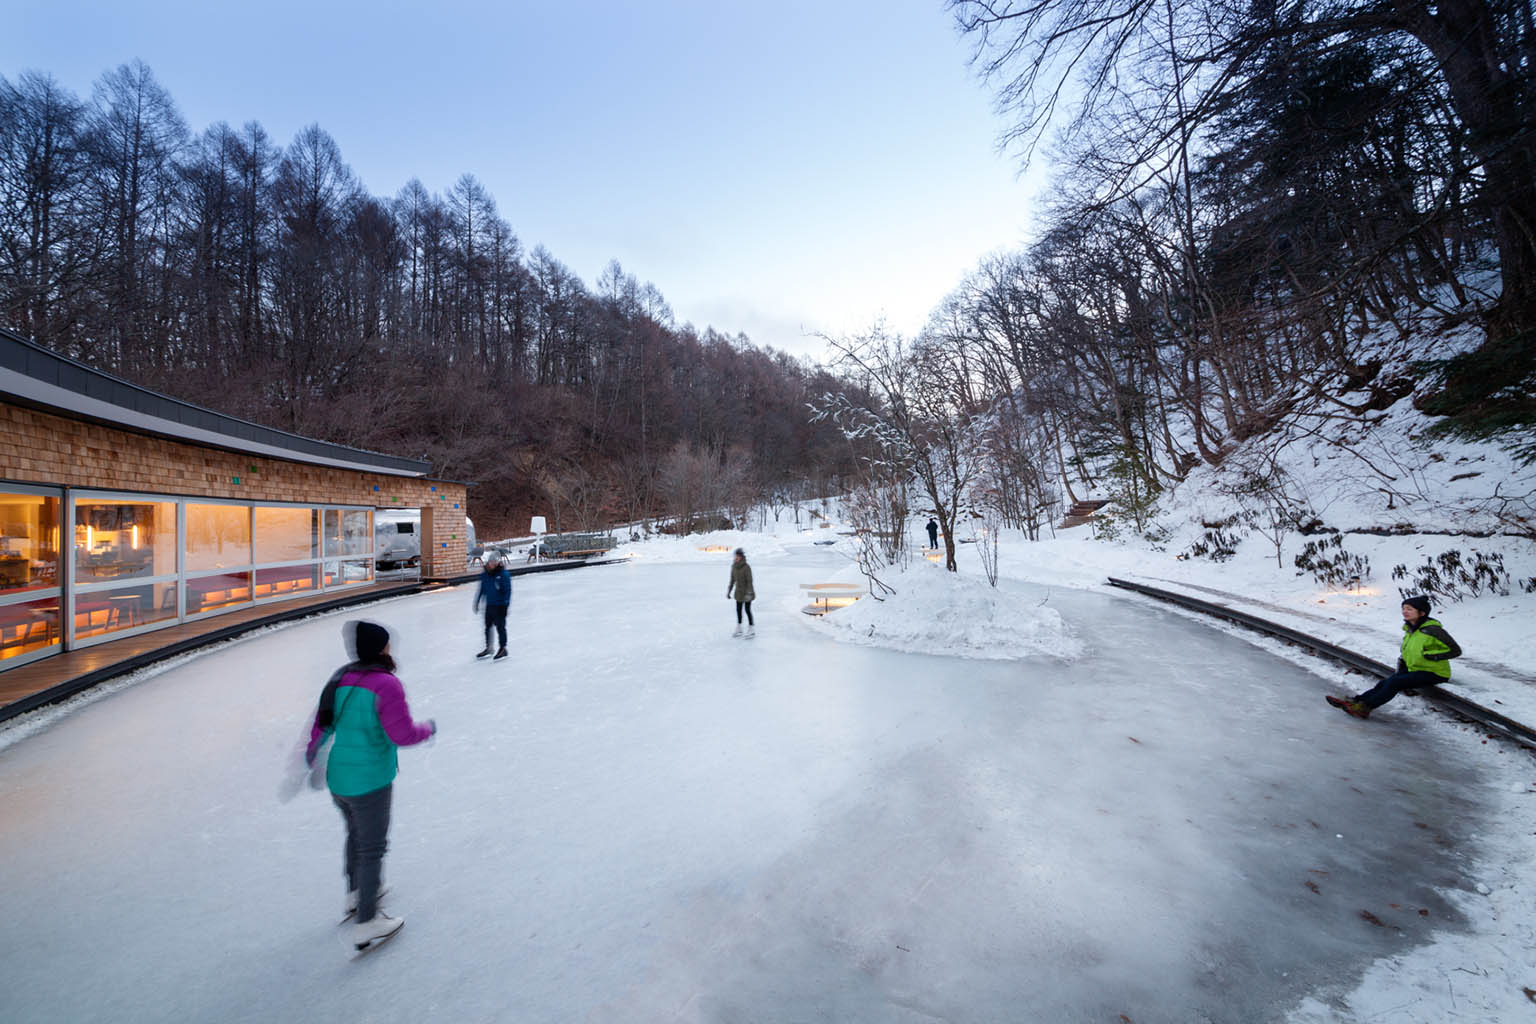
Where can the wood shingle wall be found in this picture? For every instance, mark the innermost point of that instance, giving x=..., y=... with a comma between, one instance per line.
x=41, y=448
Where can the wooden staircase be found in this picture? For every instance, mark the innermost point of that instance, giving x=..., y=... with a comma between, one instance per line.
x=1080, y=513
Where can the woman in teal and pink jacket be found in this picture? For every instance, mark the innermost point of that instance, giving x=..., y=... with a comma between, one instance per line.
x=363, y=708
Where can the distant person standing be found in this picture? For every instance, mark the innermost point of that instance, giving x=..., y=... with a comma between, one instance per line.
x=363, y=710
x=1424, y=660
x=741, y=587
x=933, y=533
x=496, y=591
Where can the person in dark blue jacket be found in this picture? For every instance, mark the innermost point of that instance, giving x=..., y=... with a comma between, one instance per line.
x=496, y=592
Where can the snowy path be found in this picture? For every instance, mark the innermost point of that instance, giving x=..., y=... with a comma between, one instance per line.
x=638, y=818
x=1476, y=675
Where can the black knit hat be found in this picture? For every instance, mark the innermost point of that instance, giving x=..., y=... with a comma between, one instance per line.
x=369, y=640
x=1421, y=603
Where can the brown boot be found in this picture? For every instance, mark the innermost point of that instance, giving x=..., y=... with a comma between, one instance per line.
x=1357, y=709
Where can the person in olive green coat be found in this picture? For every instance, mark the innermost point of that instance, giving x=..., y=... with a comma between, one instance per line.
x=1425, y=660
x=741, y=587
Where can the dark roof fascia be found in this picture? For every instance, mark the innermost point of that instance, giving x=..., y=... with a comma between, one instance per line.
x=33, y=376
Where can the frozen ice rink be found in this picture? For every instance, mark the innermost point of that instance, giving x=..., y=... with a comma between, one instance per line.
x=639, y=818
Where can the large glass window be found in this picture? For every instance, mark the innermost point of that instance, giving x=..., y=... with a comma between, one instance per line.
x=218, y=536
x=28, y=627
x=356, y=532
x=348, y=573
x=348, y=531
x=285, y=580
x=286, y=534
x=143, y=561
x=332, y=531
x=109, y=611
x=29, y=542
x=123, y=539
x=222, y=590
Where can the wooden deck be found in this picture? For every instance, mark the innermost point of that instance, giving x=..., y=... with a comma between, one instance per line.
x=62, y=675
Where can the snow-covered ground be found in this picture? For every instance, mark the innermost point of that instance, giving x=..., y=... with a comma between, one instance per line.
x=1110, y=809
x=1486, y=971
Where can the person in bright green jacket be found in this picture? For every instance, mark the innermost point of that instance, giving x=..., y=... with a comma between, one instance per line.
x=363, y=709
x=1424, y=660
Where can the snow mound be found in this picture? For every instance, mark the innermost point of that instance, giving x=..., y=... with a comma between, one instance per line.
x=695, y=547
x=938, y=612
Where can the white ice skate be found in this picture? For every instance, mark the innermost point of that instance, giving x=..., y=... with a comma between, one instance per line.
x=372, y=934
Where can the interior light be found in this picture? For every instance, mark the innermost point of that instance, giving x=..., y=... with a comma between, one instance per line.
x=135, y=536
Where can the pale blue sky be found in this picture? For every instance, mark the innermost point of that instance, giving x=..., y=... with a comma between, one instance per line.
x=774, y=168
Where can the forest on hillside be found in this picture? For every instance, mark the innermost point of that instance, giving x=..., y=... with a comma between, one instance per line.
x=263, y=280
x=1268, y=222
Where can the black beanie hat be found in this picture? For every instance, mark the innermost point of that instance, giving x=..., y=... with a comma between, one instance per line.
x=1421, y=603
x=371, y=639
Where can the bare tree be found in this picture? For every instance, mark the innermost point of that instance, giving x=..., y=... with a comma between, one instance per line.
x=47, y=246
x=912, y=403
x=1177, y=66
x=583, y=492
x=135, y=134
x=635, y=482
x=313, y=193
x=877, y=509
x=696, y=481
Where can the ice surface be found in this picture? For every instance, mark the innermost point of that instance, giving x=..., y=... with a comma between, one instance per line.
x=638, y=817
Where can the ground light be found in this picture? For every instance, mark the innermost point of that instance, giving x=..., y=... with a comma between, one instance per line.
x=1352, y=591
x=830, y=596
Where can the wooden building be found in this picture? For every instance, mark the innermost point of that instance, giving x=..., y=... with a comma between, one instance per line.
x=124, y=511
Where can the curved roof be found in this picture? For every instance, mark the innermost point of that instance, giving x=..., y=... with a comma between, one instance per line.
x=33, y=376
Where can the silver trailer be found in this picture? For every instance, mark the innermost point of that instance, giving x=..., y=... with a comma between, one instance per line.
x=397, y=537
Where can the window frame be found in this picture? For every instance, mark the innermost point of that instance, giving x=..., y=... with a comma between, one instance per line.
x=57, y=592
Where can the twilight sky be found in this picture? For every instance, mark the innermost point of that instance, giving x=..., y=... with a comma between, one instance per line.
x=774, y=168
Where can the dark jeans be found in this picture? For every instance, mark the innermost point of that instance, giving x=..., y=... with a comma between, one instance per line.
x=933, y=538
x=748, y=606
x=496, y=615
x=367, y=819
x=1395, y=684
